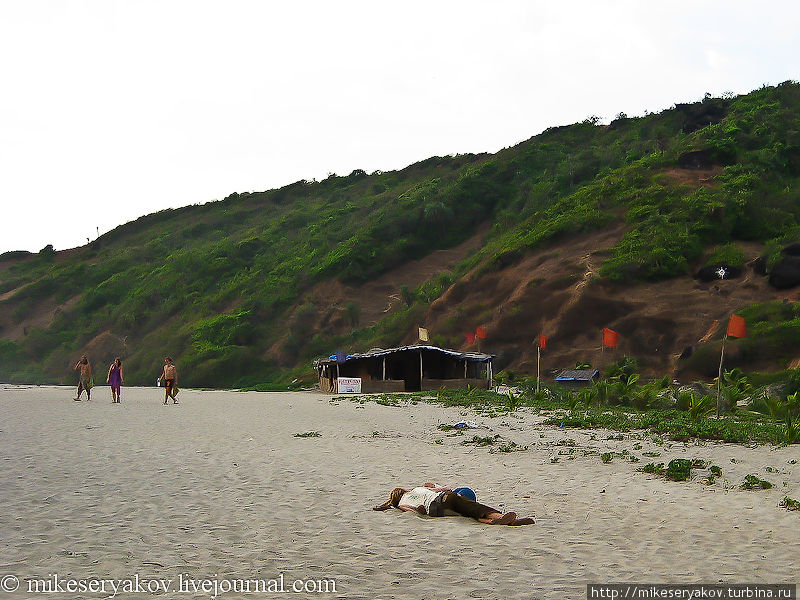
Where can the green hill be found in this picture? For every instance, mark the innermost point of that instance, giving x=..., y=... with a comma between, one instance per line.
x=251, y=288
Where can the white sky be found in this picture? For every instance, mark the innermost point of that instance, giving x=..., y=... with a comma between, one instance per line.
x=112, y=109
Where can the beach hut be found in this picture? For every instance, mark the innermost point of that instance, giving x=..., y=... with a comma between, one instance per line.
x=406, y=369
x=577, y=377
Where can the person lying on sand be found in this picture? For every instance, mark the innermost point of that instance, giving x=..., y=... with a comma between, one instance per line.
x=433, y=501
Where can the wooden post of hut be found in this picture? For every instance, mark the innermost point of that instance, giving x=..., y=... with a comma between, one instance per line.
x=541, y=343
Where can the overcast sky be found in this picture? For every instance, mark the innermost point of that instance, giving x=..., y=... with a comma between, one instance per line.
x=112, y=109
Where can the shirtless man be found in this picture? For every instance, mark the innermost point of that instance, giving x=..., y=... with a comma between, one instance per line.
x=85, y=379
x=170, y=377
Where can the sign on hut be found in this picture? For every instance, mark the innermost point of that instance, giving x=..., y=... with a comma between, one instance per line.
x=407, y=369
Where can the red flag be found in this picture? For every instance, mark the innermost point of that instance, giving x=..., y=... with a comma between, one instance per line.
x=542, y=341
x=610, y=337
x=480, y=332
x=470, y=338
x=737, y=327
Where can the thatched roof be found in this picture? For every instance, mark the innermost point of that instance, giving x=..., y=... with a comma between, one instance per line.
x=378, y=352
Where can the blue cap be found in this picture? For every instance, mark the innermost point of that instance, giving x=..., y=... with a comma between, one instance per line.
x=466, y=492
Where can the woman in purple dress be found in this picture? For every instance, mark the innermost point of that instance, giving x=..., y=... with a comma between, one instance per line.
x=115, y=379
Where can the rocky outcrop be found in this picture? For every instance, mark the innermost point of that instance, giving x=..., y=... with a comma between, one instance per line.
x=785, y=274
x=696, y=116
x=791, y=249
x=759, y=265
x=698, y=159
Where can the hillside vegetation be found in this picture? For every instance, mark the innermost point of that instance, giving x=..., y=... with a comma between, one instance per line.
x=580, y=227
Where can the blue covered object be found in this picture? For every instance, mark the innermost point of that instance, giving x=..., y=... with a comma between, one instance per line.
x=467, y=493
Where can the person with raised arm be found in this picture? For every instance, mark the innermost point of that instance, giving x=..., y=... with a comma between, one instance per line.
x=85, y=381
x=170, y=377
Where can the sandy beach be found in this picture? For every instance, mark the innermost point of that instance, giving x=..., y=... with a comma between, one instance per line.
x=219, y=488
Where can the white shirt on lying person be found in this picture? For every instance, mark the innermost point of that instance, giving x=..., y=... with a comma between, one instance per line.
x=420, y=497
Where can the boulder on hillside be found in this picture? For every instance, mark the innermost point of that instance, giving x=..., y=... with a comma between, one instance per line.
x=786, y=273
x=698, y=159
x=791, y=249
x=717, y=272
x=759, y=265
x=699, y=115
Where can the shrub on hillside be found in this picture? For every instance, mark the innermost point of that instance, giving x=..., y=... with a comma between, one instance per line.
x=729, y=254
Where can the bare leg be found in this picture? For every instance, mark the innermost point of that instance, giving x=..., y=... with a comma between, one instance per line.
x=80, y=389
x=487, y=518
x=495, y=518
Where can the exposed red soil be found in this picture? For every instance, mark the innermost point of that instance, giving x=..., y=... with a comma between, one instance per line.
x=554, y=292
x=693, y=177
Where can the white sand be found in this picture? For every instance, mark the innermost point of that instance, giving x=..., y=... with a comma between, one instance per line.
x=218, y=486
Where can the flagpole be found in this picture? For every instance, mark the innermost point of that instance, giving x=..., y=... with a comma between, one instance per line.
x=538, y=358
x=719, y=375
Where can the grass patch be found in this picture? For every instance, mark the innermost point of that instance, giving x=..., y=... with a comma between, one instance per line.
x=481, y=441
x=742, y=427
x=653, y=468
x=511, y=447
x=790, y=503
x=753, y=482
x=266, y=387
x=678, y=425
x=679, y=469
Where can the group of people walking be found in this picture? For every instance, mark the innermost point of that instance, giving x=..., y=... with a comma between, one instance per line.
x=116, y=377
